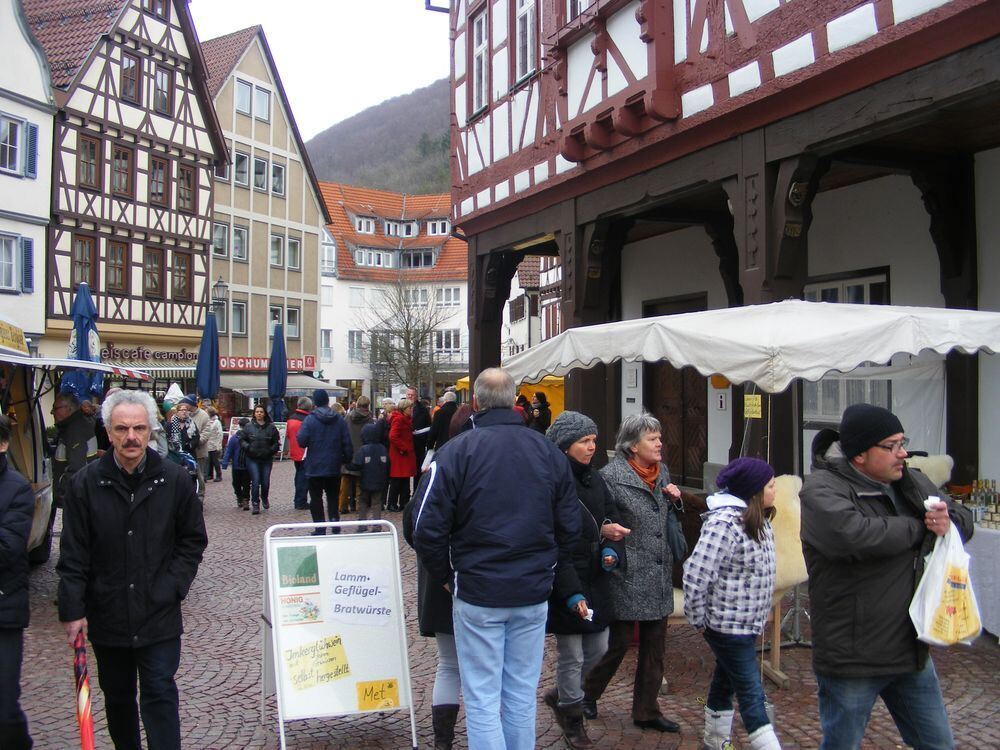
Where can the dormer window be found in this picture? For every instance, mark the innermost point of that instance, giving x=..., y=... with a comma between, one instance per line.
x=364, y=225
x=400, y=229
x=373, y=258
x=417, y=259
x=438, y=227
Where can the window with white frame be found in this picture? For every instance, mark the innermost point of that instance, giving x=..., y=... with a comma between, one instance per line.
x=244, y=92
x=294, y=253
x=8, y=262
x=374, y=258
x=448, y=341
x=824, y=401
x=408, y=229
x=277, y=250
x=275, y=314
x=325, y=345
x=449, y=296
x=480, y=61
x=240, y=242
x=220, y=240
x=221, y=318
x=391, y=228
x=416, y=297
x=526, y=50
x=262, y=104
x=239, y=318
x=260, y=174
x=438, y=227
x=327, y=255
x=10, y=144
x=357, y=296
x=292, y=315
x=241, y=168
x=277, y=179
x=364, y=225
x=326, y=295
x=417, y=259
x=355, y=346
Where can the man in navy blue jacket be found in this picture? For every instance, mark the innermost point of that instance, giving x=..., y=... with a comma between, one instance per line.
x=327, y=442
x=498, y=511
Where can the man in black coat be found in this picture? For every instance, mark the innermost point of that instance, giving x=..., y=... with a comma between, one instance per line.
x=421, y=417
x=441, y=423
x=133, y=537
x=17, y=505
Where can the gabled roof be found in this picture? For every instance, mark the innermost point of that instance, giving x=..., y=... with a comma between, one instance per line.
x=223, y=54
x=345, y=202
x=70, y=30
x=528, y=271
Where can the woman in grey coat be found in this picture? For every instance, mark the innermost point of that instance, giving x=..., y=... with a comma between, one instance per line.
x=641, y=590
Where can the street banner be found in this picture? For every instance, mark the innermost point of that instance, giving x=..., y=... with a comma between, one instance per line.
x=335, y=636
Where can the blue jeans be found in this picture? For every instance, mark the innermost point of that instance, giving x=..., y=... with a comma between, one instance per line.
x=500, y=660
x=156, y=666
x=913, y=699
x=736, y=673
x=260, y=480
x=301, y=500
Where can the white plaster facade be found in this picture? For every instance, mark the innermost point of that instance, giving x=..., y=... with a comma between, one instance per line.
x=27, y=111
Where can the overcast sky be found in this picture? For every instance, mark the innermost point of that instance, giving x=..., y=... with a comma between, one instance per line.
x=338, y=57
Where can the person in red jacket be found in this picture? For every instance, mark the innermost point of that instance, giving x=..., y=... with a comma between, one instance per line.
x=402, y=459
x=297, y=453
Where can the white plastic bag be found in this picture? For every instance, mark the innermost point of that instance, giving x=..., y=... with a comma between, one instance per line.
x=944, y=609
x=428, y=457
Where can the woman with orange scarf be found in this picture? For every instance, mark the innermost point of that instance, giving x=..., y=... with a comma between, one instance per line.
x=641, y=588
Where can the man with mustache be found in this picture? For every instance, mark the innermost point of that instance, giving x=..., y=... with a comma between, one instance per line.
x=133, y=537
x=865, y=531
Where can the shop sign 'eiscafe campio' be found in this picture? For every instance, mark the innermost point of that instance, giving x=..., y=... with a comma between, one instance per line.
x=145, y=354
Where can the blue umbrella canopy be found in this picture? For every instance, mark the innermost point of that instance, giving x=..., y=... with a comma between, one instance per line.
x=206, y=374
x=277, y=375
x=85, y=345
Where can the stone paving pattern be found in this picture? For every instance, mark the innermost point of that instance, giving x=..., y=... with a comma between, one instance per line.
x=220, y=673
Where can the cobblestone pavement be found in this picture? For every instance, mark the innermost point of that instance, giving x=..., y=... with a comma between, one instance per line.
x=219, y=677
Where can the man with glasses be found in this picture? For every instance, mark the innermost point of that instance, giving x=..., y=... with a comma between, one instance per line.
x=133, y=537
x=865, y=532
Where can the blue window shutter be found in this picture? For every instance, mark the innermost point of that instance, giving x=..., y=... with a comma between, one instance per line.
x=31, y=158
x=27, y=264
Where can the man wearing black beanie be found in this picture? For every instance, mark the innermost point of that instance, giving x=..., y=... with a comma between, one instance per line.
x=865, y=532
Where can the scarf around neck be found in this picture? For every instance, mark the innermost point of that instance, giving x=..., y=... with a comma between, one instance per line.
x=649, y=476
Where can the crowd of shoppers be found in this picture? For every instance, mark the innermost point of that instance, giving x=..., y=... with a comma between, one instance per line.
x=584, y=554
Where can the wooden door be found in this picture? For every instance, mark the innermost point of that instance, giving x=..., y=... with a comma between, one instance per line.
x=678, y=398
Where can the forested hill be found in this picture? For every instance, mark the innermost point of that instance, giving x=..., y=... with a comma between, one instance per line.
x=400, y=145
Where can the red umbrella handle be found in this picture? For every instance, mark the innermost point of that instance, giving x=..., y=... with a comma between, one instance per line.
x=83, y=715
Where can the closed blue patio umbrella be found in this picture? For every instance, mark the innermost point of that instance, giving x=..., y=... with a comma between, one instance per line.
x=85, y=345
x=206, y=374
x=277, y=375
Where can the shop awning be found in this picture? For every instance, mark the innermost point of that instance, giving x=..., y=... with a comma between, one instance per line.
x=156, y=372
x=254, y=385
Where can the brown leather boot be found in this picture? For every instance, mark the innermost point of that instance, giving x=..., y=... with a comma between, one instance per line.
x=574, y=731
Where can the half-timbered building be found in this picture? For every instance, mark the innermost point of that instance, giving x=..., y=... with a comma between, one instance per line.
x=135, y=146
x=678, y=155
x=269, y=217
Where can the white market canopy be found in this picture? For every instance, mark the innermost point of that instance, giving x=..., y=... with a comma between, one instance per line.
x=769, y=345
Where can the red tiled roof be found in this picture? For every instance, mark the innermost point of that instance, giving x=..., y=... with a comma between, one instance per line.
x=345, y=201
x=527, y=272
x=68, y=31
x=222, y=54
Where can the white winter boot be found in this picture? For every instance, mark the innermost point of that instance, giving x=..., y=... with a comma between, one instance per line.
x=764, y=739
x=718, y=725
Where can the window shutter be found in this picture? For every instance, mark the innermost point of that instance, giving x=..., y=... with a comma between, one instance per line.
x=27, y=264
x=31, y=157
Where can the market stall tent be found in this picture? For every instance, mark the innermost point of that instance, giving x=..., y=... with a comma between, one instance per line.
x=769, y=345
x=551, y=386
